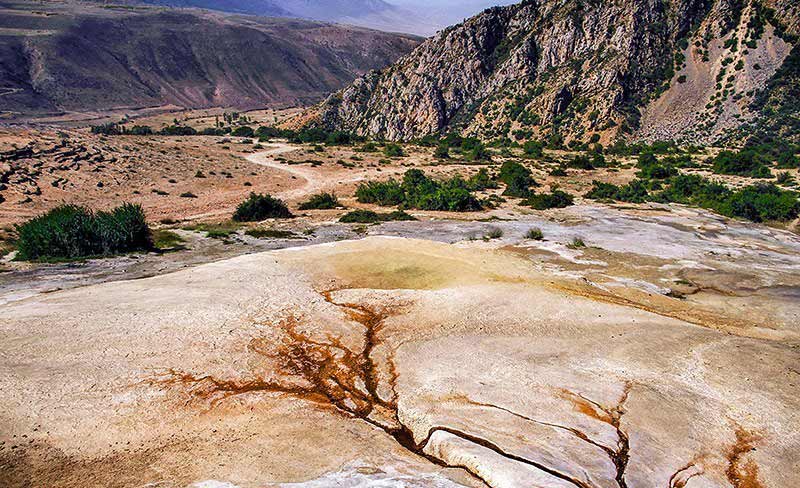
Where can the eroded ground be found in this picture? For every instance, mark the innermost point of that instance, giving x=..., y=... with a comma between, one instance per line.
x=417, y=363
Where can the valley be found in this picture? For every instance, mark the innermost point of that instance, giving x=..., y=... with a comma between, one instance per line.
x=242, y=251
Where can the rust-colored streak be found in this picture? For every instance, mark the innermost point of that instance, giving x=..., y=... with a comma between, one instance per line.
x=742, y=472
x=681, y=477
x=613, y=417
x=328, y=372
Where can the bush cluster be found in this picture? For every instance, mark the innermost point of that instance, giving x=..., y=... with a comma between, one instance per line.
x=72, y=232
x=321, y=201
x=517, y=178
x=369, y=217
x=747, y=162
x=554, y=199
x=259, y=207
x=421, y=192
x=758, y=203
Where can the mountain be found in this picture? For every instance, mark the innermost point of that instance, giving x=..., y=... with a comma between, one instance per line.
x=376, y=14
x=412, y=16
x=61, y=57
x=696, y=70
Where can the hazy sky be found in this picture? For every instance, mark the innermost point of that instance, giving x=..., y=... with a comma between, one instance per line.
x=447, y=12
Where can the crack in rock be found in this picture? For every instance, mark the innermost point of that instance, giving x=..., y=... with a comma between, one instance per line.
x=329, y=373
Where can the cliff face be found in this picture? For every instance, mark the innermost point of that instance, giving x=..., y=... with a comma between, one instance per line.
x=575, y=69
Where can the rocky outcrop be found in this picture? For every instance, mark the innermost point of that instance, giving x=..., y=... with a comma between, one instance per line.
x=567, y=69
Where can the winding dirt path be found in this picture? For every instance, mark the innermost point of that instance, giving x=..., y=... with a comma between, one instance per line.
x=313, y=182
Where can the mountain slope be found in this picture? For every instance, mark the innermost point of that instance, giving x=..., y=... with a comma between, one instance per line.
x=376, y=14
x=571, y=69
x=102, y=59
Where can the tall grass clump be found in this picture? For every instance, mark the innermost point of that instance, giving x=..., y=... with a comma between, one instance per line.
x=74, y=232
x=259, y=207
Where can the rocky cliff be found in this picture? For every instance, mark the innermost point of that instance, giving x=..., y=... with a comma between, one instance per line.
x=581, y=70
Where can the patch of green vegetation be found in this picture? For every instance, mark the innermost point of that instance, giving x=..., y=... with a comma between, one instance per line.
x=321, y=201
x=481, y=181
x=221, y=230
x=166, y=240
x=369, y=217
x=259, y=207
x=74, y=232
x=517, y=178
x=392, y=150
x=747, y=162
x=421, y=192
x=577, y=243
x=650, y=168
x=271, y=234
x=535, y=234
x=554, y=199
x=533, y=149
x=758, y=203
x=243, y=131
x=494, y=233
x=384, y=193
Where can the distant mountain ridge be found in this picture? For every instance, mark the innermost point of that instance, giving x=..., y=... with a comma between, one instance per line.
x=695, y=70
x=411, y=16
x=73, y=58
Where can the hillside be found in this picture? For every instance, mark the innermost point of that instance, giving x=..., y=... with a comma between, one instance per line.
x=77, y=58
x=586, y=71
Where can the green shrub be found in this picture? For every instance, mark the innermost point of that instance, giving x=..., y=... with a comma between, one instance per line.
x=243, y=131
x=747, y=162
x=384, y=193
x=419, y=191
x=535, y=234
x=166, y=239
x=555, y=199
x=442, y=151
x=493, y=234
x=558, y=171
x=533, y=149
x=481, y=181
x=787, y=160
x=71, y=232
x=369, y=147
x=361, y=216
x=577, y=243
x=321, y=201
x=259, y=207
x=633, y=192
x=784, y=178
x=581, y=162
x=393, y=150
x=760, y=203
x=517, y=178
x=602, y=191
x=478, y=153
